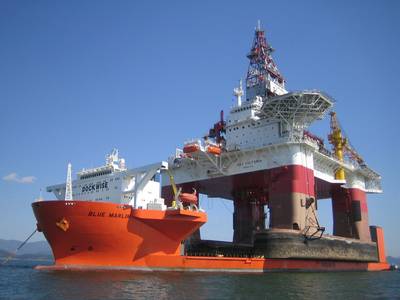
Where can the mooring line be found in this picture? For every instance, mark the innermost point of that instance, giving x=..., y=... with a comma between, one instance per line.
x=19, y=247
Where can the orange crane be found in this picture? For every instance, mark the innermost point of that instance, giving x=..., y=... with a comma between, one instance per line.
x=341, y=146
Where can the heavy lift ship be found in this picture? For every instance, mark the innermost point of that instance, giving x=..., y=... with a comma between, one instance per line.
x=261, y=157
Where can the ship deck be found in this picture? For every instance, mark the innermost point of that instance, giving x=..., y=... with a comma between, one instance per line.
x=231, y=264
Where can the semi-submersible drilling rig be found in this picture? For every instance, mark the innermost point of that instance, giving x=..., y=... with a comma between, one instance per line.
x=263, y=158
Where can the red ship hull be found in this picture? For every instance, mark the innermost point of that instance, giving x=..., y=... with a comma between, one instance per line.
x=100, y=235
x=109, y=234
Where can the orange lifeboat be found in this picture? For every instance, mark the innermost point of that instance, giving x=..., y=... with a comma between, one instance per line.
x=188, y=198
x=190, y=148
x=214, y=150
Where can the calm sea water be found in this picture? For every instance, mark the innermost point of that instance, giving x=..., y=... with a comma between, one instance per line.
x=18, y=280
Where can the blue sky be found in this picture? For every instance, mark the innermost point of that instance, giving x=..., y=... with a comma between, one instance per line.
x=78, y=78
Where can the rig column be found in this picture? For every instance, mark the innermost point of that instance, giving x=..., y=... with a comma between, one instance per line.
x=248, y=216
x=350, y=213
x=292, y=198
x=360, y=214
x=341, y=209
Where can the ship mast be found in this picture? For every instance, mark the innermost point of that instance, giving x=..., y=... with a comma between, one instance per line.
x=238, y=93
x=68, y=185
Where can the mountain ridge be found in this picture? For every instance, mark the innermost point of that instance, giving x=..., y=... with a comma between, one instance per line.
x=39, y=249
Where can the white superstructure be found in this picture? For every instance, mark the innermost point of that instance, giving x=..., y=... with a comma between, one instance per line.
x=266, y=133
x=113, y=182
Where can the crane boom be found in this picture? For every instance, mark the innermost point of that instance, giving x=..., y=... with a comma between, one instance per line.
x=172, y=181
x=341, y=146
x=338, y=142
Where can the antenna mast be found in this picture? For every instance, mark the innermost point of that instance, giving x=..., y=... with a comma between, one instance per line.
x=68, y=185
x=238, y=93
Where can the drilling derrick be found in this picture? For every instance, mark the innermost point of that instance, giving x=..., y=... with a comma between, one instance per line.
x=263, y=77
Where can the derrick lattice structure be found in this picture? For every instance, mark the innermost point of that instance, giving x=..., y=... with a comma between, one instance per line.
x=262, y=67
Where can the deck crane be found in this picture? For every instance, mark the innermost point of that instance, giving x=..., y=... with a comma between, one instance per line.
x=341, y=146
